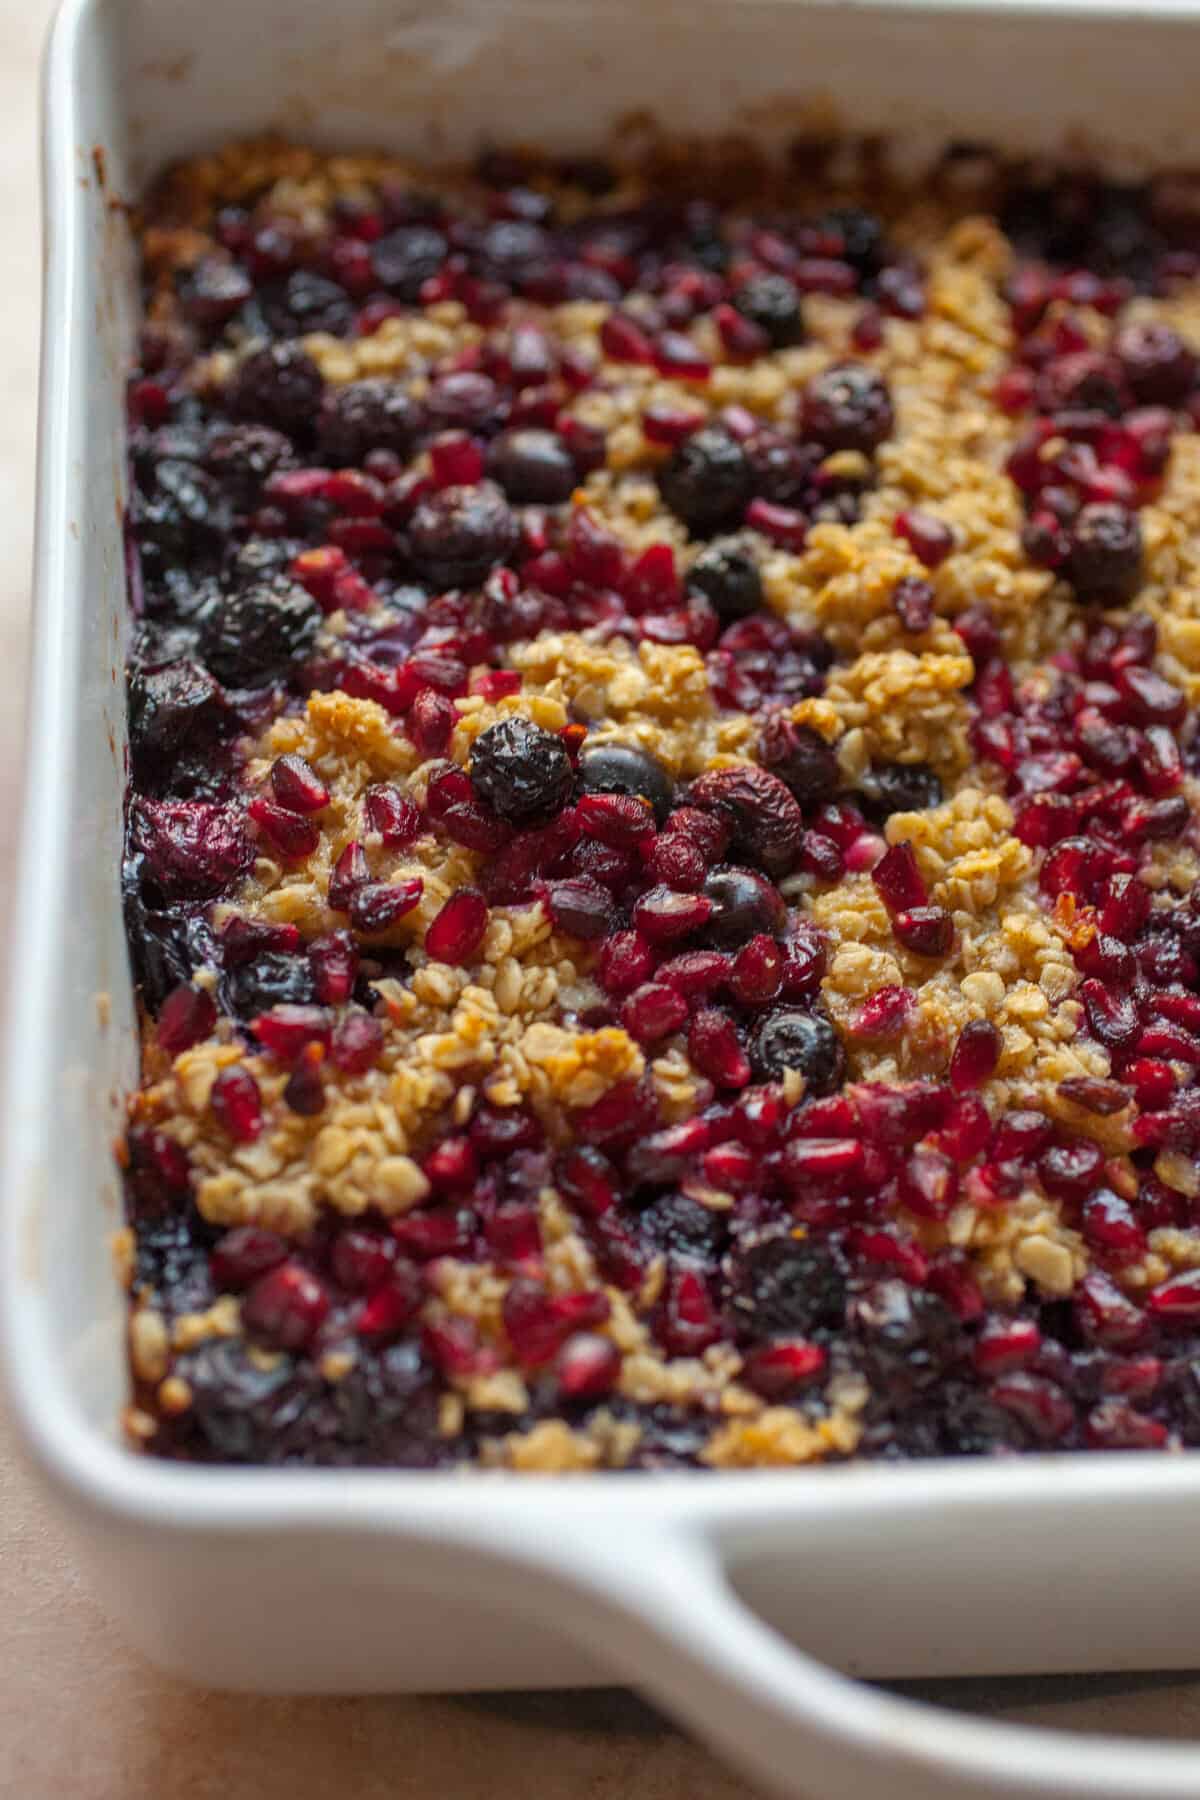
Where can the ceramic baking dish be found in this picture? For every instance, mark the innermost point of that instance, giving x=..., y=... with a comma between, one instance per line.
x=688, y=1587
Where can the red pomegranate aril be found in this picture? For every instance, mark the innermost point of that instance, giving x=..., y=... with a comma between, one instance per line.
x=1135, y=1378
x=653, y=1011
x=1105, y=1314
x=1114, y=1426
x=730, y=1166
x=669, y=425
x=379, y=905
x=237, y=1104
x=392, y=815
x=452, y=1345
x=349, y=873
x=966, y=1130
x=457, y=931
x=588, y=1366
x=677, y=358
x=653, y=581
x=885, y=1014
x=1169, y=1043
x=430, y=723
x=783, y=1367
x=688, y=1323
x=1152, y=1081
x=898, y=880
x=928, y=1184
x=1124, y=907
x=539, y=1323
x=1151, y=700
x=186, y=1017
x=975, y=1055
x=822, y=1159
x=1178, y=1298
x=695, y=973
x=783, y=525
x=452, y=1164
x=926, y=930
x=334, y=962
x=715, y=1051
x=905, y=1257
x=588, y=1180
x=928, y=537
x=357, y=1043
x=623, y=340
x=354, y=493
x=386, y=1311
x=1041, y=1405
x=1007, y=1344
x=663, y=916
x=455, y=460
x=297, y=786
x=1071, y=1169
x=740, y=337
x=285, y=1308
x=287, y=1030
x=1111, y=1017
x=1110, y=1227
x=757, y=972
x=1161, y=762
x=243, y=1254
x=821, y=857
x=286, y=832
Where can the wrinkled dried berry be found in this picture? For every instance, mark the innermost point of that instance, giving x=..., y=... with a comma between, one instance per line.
x=520, y=770
x=790, y=1037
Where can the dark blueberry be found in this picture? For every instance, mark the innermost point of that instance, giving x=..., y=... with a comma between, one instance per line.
x=270, y=978
x=771, y=303
x=166, y=947
x=534, y=467
x=184, y=515
x=406, y=258
x=171, y=1259
x=520, y=770
x=744, y=904
x=214, y=291
x=728, y=575
x=259, y=559
x=789, y=1037
x=861, y=234
x=307, y=302
x=457, y=536
x=510, y=248
x=898, y=787
x=783, y=470
x=239, y=1402
x=241, y=457
x=800, y=757
x=785, y=1286
x=280, y=386
x=1105, y=561
x=256, y=635
x=180, y=705
x=708, y=481
x=683, y=1229
x=909, y=1339
x=463, y=401
x=622, y=769
x=848, y=408
x=375, y=414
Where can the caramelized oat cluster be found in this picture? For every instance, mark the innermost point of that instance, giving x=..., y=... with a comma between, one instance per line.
x=662, y=832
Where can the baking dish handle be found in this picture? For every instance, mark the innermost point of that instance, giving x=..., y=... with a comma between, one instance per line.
x=680, y=1632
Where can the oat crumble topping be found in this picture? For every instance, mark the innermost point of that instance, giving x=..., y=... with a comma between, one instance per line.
x=662, y=836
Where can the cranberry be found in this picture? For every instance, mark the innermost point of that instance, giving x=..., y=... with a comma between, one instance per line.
x=767, y=824
x=237, y=1104
x=925, y=930
x=662, y=915
x=899, y=881
x=975, y=1055
x=929, y=538
x=913, y=601
x=186, y=1017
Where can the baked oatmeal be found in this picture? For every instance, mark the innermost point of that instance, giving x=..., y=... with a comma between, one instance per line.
x=662, y=832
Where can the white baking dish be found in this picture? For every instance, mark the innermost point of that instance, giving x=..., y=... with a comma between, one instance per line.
x=311, y=1581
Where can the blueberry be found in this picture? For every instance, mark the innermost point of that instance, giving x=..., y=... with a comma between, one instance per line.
x=458, y=535
x=406, y=258
x=1105, y=560
x=622, y=769
x=256, y=635
x=848, y=408
x=708, y=481
x=744, y=904
x=728, y=575
x=785, y=1286
x=374, y=414
x=520, y=770
x=771, y=303
x=281, y=386
x=898, y=787
x=790, y=1037
x=534, y=467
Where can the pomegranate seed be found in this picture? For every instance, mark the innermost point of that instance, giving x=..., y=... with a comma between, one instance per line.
x=1111, y=1017
x=822, y=1159
x=688, y=1323
x=926, y=930
x=676, y=356
x=928, y=1184
x=186, y=1017
x=334, y=961
x=379, y=904
x=588, y=1366
x=907, y=1258
x=285, y=1308
x=975, y=1055
x=966, y=1129
x=459, y=928
x=391, y=814
x=1005, y=1345
x=352, y=492
x=357, y=1043
x=581, y=907
x=1177, y=1298
x=929, y=538
x=243, y=1254
x=616, y=819
x=695, y=972
x=361, y=1259
x=1041, y=1406
x=730, y=1166
x=538, y=1324
x=387, y=1310
x=1115, y=1426
x=297, y=786
x=783, y=525
x=1138, y=1377
x=1104, y=1313
x=669, y=425
x=757, y=972
x=1110, y=1227
x=286, y=832
x=287, y=1030
x=452, y=1345
x=885, y=1014
x=782, y=1368
x=348, y=874
x=237, y=1104
x=1152, y=701
x=715, y=1051
x=1124, y=907
x=898, y=880
x=623, y=340
x=455, y=460
x=587, y=1179
x=1071, y=1170
x=452, y=1163
x=430, y=723
x=1153, y=1083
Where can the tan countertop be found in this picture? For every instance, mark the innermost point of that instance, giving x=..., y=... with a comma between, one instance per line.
x=80, y=1715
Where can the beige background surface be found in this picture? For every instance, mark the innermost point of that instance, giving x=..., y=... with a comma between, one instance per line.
x=82, y=1716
